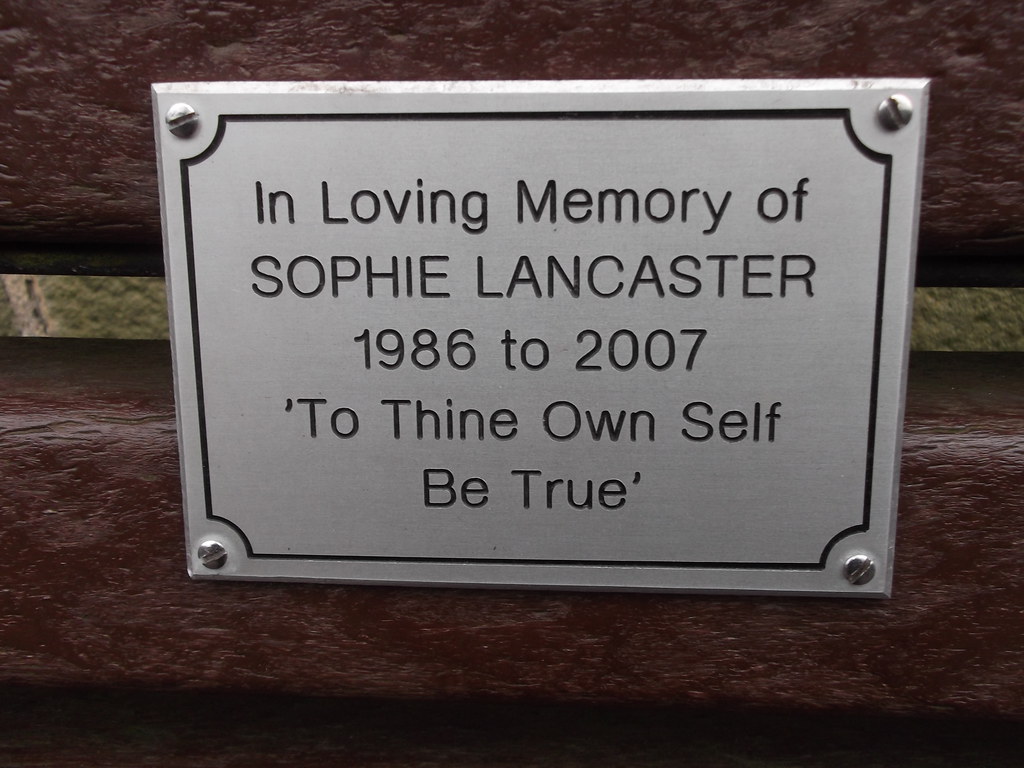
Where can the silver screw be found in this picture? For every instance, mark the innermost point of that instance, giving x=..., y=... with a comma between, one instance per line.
x=212, y=554
x=895, y=112
x=182, y=119
x=859, y=569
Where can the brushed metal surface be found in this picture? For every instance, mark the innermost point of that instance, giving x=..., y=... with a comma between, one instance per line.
x=597, y=335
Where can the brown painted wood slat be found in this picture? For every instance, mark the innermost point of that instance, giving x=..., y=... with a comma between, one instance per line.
x=76, y=148
x=998, y=271
x=61, y=728
x=93, y=588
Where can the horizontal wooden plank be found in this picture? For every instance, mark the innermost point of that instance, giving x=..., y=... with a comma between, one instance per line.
x=96, y=260
x=94, y=589
x=76, y=147
x=950, y=271
x=945, y=271
x=60, y=728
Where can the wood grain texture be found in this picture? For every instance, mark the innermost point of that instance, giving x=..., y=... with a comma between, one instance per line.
x=93, y=587
x=76, y=147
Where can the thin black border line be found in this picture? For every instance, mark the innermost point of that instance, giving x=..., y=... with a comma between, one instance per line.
x=190, y=258
x=738, y=114
x=744, y=114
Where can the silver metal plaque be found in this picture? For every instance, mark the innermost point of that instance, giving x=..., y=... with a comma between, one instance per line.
x=644, y=335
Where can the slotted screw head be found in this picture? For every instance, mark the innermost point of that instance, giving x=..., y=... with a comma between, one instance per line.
x=182, y=120
x=895, y=112
x=859, y=569
x=212, y=554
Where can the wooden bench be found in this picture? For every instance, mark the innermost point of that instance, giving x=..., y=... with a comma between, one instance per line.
x=93, y=590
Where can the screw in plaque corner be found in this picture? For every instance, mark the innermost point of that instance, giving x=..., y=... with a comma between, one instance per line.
x=182, y=120
x=895, y=112
x=859, y=569
x=212, y=554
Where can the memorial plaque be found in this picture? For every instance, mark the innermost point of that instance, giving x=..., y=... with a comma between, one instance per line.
x=638, y=335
